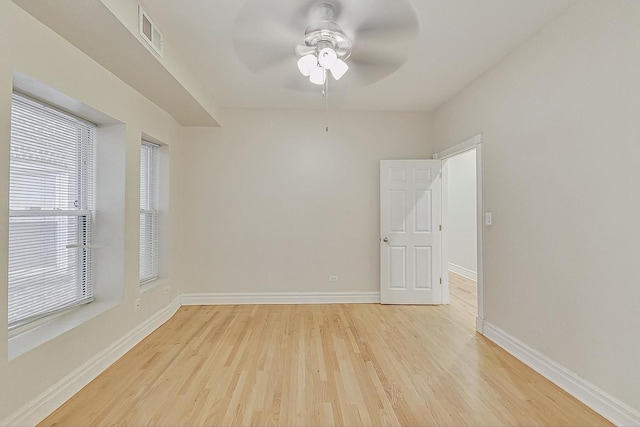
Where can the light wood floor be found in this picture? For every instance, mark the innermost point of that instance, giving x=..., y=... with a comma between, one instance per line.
x=323, y=365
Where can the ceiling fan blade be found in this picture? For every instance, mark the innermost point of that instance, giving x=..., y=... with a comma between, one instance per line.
x=303, y=50
x=258, y=52
x=386, y=33
x=361, y=15
x=367, y=69
x=383, y=54
x=262, y=38
x=383, y=33
x=299, y=83
x=263, y=17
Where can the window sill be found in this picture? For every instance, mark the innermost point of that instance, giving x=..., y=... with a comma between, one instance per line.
x=35, y=337
x=147, y=286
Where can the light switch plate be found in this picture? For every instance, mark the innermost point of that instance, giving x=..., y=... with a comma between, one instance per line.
x=488, y=218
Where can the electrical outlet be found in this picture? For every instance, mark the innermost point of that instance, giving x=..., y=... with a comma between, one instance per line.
x=137, y=307
x=166, y=289
x=333, y=278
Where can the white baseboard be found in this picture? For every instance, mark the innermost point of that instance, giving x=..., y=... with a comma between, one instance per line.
x=480, y=325
x=280, y=298
x=469, y=274
x=47, y=402
x=604, y=404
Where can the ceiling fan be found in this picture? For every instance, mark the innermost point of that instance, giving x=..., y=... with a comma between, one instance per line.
x=370, y=39
x=325, y=47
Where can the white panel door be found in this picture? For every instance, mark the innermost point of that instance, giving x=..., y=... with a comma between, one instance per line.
x=410, y=232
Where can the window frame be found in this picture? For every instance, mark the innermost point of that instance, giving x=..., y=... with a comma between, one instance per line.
x=149, y=209
x=82, y=211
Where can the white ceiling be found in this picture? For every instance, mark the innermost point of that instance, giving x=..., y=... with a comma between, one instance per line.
x=458, y=41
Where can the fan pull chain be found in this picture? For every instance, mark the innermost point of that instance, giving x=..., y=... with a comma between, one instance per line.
x=326, y=102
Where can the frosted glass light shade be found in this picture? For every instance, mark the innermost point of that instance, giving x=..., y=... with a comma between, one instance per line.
x=339, y=68
x=306, y=64
x=318, y=76
x=327, y=58
x=316, y=67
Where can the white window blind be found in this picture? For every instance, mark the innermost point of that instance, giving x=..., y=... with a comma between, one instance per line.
x=50, y=210
x=148, y=212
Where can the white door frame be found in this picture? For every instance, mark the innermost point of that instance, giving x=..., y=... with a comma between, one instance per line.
x=469, y=144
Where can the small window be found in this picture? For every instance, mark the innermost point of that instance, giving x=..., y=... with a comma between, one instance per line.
x=51, y=211
x=148, y=212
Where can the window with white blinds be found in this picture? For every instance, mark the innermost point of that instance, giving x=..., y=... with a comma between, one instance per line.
x=148, y=212
x=50, y=210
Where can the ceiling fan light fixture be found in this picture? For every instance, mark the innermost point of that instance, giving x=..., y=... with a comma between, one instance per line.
x=306, y=64
x=327, y=58
x=339, y=69
x=326, y=43
x=318, y=76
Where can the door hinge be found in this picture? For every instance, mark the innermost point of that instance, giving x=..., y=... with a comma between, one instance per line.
x=441, y=280
x=440, y=227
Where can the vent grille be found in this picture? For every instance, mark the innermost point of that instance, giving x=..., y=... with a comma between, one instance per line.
x=149, y=31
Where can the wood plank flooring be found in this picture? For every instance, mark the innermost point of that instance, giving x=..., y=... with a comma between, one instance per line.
x=322, y=365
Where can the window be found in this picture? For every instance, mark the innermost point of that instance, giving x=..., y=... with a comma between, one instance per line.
x=50, y=211
x=148, y=212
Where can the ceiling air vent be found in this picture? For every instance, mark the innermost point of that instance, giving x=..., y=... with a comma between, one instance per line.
x=149, y=31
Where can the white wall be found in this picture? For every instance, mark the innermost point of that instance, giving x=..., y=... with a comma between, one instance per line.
x=461, y=212
x=561, y=124
x=32, y=49
x=277, y=205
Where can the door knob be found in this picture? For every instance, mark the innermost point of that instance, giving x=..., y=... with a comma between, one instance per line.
x=385, y=240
